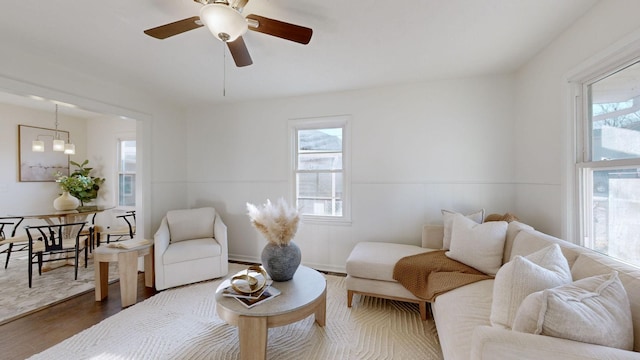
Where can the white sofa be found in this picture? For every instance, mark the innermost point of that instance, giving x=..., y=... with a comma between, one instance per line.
x=190, y=246
x=462, y=316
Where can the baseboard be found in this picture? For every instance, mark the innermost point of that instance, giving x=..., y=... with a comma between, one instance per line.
x=242, y=258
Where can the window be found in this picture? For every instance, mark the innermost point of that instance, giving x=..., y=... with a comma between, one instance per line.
x=320, y=166
x=608, y=163
x=127, y=173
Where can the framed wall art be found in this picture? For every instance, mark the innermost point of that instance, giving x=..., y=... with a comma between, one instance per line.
x=41, y=166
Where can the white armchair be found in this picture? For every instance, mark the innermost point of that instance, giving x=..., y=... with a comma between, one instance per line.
x=190, y=246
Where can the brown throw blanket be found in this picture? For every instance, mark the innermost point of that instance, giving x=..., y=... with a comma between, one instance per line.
x=430, y=274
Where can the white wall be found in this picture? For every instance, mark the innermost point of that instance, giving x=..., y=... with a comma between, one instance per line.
x=542, y=136
x=415, y=149
x=103, y=133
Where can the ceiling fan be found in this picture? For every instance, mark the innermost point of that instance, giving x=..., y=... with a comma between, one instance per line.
x=227, y=24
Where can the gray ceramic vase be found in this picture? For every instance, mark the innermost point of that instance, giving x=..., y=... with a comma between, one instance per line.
x=281, y=262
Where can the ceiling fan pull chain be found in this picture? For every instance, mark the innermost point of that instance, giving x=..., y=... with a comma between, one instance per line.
x=224, y=72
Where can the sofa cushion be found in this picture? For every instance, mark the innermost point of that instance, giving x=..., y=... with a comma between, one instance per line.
x=447, y=220
x=591, y=263
x=478, y=245
x=457, y=313
x=513, y=229
x=191, y=250
x=593, y=310
x=522, y=276
x=191, y=223
x=529, y=241
x=376, y=260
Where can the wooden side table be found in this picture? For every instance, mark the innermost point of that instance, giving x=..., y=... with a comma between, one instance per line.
x=128, y=269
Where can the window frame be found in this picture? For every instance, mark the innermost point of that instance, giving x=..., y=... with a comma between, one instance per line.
x=579, y=182
x=337, y=121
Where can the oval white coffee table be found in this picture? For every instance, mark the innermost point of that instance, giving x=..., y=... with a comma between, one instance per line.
x=300, y=297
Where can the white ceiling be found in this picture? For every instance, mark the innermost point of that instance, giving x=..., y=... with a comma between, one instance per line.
x=355, y=44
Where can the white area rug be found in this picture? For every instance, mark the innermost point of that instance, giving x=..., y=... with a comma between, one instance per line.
x=182, y=324
x=52, y=287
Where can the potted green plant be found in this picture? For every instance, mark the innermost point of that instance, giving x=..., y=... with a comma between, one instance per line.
x=80, y=183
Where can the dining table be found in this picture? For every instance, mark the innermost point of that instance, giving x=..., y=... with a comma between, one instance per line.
x=52, y=216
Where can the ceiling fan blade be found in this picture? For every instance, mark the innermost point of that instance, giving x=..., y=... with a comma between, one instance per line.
x=239, y=52
x=296, y=33
x=174, y=28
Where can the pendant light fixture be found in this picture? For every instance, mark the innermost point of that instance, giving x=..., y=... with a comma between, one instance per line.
x=37, y=145
x=69, y=149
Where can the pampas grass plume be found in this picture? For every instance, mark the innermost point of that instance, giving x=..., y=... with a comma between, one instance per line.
x=277, y=223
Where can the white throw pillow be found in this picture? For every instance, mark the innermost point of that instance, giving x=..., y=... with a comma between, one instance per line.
x=522, y=276
x=189, y=224
x=447, y=220
x=594, y=310
x=478, y=245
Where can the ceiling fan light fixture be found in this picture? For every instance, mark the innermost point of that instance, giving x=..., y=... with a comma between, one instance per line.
x=224, y=22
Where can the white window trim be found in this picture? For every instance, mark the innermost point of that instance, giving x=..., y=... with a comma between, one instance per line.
x=615, y=57
x=343, y=121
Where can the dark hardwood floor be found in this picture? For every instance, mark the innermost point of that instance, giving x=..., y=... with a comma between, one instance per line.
x=36, y=332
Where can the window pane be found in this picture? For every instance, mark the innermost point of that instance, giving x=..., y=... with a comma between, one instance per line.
x=128, y=156
x=320, y=193
x=320, y=140
x=318, y=164
x=320, y=161
x=320, y=185
x=320, y=207
x=127, y=173
x=127, y=190
x=615, y=115
x=616, y=213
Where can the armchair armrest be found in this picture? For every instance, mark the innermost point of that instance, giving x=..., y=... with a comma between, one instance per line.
x=160, y=245
x=220, y=234
x=161, y=238
x=497, y=343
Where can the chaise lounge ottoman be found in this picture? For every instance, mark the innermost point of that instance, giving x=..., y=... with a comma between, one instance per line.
x=370, y=269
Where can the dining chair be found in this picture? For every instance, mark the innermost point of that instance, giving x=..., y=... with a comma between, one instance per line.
x=92, y=232
x=125, y=232
x=8, y=227
x=59, y=242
